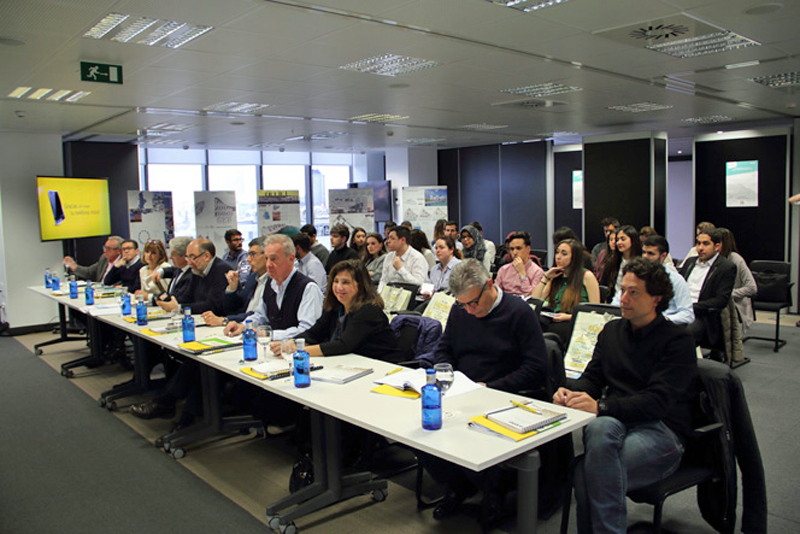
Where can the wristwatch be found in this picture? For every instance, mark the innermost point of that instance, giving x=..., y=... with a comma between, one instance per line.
x=601, y=407
x=522, y=277
x=224, y=321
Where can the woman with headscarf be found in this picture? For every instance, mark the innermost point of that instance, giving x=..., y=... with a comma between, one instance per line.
x=474, y=247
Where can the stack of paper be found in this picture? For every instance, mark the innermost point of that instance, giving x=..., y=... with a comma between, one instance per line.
x=415, y=379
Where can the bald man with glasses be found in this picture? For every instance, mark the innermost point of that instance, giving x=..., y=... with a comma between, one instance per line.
x=208, y=280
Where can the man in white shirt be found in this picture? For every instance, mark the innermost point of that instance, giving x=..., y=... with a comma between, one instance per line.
x=307, y=263
x=710, y=278
x=403, y=263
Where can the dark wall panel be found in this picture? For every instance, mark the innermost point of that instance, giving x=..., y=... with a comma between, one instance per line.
x=660, y=186
x=448, y=175
x=563, y=165
x=616, y=183
x=761, y=231
x=480, y=188
x=115, y=161
x=524, y=191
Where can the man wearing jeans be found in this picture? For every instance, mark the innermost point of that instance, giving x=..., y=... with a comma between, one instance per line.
x=648, y=365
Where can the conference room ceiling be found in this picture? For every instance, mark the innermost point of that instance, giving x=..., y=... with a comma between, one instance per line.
x=289, y=54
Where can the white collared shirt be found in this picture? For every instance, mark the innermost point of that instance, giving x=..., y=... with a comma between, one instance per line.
x=698, y=277
x=413, y=271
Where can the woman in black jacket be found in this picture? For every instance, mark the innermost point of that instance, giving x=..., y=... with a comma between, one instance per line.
x=352, y=320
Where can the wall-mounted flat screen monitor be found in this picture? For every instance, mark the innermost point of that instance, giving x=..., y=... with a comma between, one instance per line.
x=72, y=207
x=382, y=190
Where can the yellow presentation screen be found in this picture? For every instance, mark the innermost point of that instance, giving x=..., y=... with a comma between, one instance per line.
x=72, y=207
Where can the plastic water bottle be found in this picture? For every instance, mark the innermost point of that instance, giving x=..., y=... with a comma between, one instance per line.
x=55, y=283
x=141, y=311
x=89, y=294
x=431, y=402
x=188, y=325
x=302, y=364
x=73, y=288
x=48, y=280
x=126, y=303
x=250, y=342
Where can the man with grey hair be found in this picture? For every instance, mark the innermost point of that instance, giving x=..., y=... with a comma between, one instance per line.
x=292, y=302
x=99, y=269
x=178, y=274
x=495, y=339
x=208, y=280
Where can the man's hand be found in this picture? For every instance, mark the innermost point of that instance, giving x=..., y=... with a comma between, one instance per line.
x=156, y=276
x=397, y=263
x=519, y=265
x=120, y=262
x=233, y=280
x=169, y=305
x=560, y=396
x=140, y=292
x=211, y=319
x=275, y=347
x=578, y=400
x=70, y=262
x=233, y=329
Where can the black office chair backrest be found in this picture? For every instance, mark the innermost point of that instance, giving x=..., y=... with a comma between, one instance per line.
x=536, y=303
x=604, y=291
x=772, y=279
x=414, y=288
x=542, y=255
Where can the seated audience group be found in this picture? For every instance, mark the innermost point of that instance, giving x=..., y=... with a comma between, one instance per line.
x=332, y=299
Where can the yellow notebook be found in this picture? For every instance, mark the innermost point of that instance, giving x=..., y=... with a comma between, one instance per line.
x=386, y=389
x=481, y=423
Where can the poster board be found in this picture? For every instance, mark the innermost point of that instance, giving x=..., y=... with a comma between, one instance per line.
x=278, y=210
x=741, y=184
x=584, y=337
x=150, y=216
x=353, y=208
x=423, y=206
x=215, y=213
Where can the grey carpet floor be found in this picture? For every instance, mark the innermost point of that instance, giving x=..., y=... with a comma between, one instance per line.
x=66, y=466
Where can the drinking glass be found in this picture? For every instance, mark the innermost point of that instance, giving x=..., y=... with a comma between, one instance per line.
x=264, y=338
x=444, y=379
x=288, y=348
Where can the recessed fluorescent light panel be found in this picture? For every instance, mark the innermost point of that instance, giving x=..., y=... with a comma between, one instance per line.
x=169, y=127
x=777, y=81
x=425, y=140
x=390, y=65
x=123, y=28
x=77, y=96
x=712, y=43
x=19, y=92
x=378, y=117
x=39, y=93
x=319, y=136
x=237, y=107
x=527, y=5
x=542, y=89
x=711, y=119
x=483, y=126
x=640, y=107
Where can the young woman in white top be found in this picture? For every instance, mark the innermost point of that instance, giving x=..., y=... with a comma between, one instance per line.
x=628, y=246
x=448, y=256
x=155, y=257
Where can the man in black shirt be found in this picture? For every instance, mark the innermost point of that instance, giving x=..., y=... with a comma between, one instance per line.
x=648, y=365
x=339, y=249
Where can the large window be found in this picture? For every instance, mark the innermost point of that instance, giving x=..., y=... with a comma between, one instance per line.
x=242, y=180
x=287, y=178
x=183, y=181
x=325, y=178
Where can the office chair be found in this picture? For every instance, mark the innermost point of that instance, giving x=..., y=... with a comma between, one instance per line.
x=774, y=294
x=541, y=254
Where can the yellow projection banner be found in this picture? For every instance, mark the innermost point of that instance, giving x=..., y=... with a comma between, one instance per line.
x=72, y=207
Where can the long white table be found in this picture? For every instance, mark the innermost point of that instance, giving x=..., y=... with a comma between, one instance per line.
x=396, y=418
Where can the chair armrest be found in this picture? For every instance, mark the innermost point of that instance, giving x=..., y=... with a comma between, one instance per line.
x=706, y=430
x=406, y=312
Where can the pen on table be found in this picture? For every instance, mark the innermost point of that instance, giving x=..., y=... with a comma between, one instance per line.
x=525, y=407
x=393, y=371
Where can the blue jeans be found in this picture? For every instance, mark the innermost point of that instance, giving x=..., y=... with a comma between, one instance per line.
x=618, y=459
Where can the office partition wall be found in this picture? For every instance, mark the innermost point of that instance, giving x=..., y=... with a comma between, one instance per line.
x=760, y=231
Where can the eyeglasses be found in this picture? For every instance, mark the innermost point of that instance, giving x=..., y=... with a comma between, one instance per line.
x=237, y=239
x=107, y=249
x=472, y=303
x=126, y=249
x=254, y=254
x=193, y=258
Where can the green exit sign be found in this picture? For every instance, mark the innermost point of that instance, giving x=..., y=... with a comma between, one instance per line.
x=101, y=73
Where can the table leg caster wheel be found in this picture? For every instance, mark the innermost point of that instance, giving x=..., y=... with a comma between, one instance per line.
x=288, y=529
x=274, y=523
x=102, y=402
x=379, y=495
x=67, y=373
x=177, y=453
x=111, y=406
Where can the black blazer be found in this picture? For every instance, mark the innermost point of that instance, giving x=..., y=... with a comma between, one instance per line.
x=125, y=276
x=182, y=289
x=207, y=293
x=365, y=332
x=717, y=287
x=236, y=302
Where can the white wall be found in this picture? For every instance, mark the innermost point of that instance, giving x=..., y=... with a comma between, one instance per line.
x=23, y=257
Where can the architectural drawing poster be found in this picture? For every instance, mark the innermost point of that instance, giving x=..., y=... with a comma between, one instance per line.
x=150, y=216
x=214, y=214
x=423, y=206
x=277, y=210
x=352, y=207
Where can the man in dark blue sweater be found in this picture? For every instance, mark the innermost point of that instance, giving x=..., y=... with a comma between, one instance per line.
x=648, y=365
x=495, y=339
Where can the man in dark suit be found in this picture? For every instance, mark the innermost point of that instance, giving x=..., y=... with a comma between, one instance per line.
x=125, y=271
x=208, y=281
x=98, y=270
x=710, y=278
